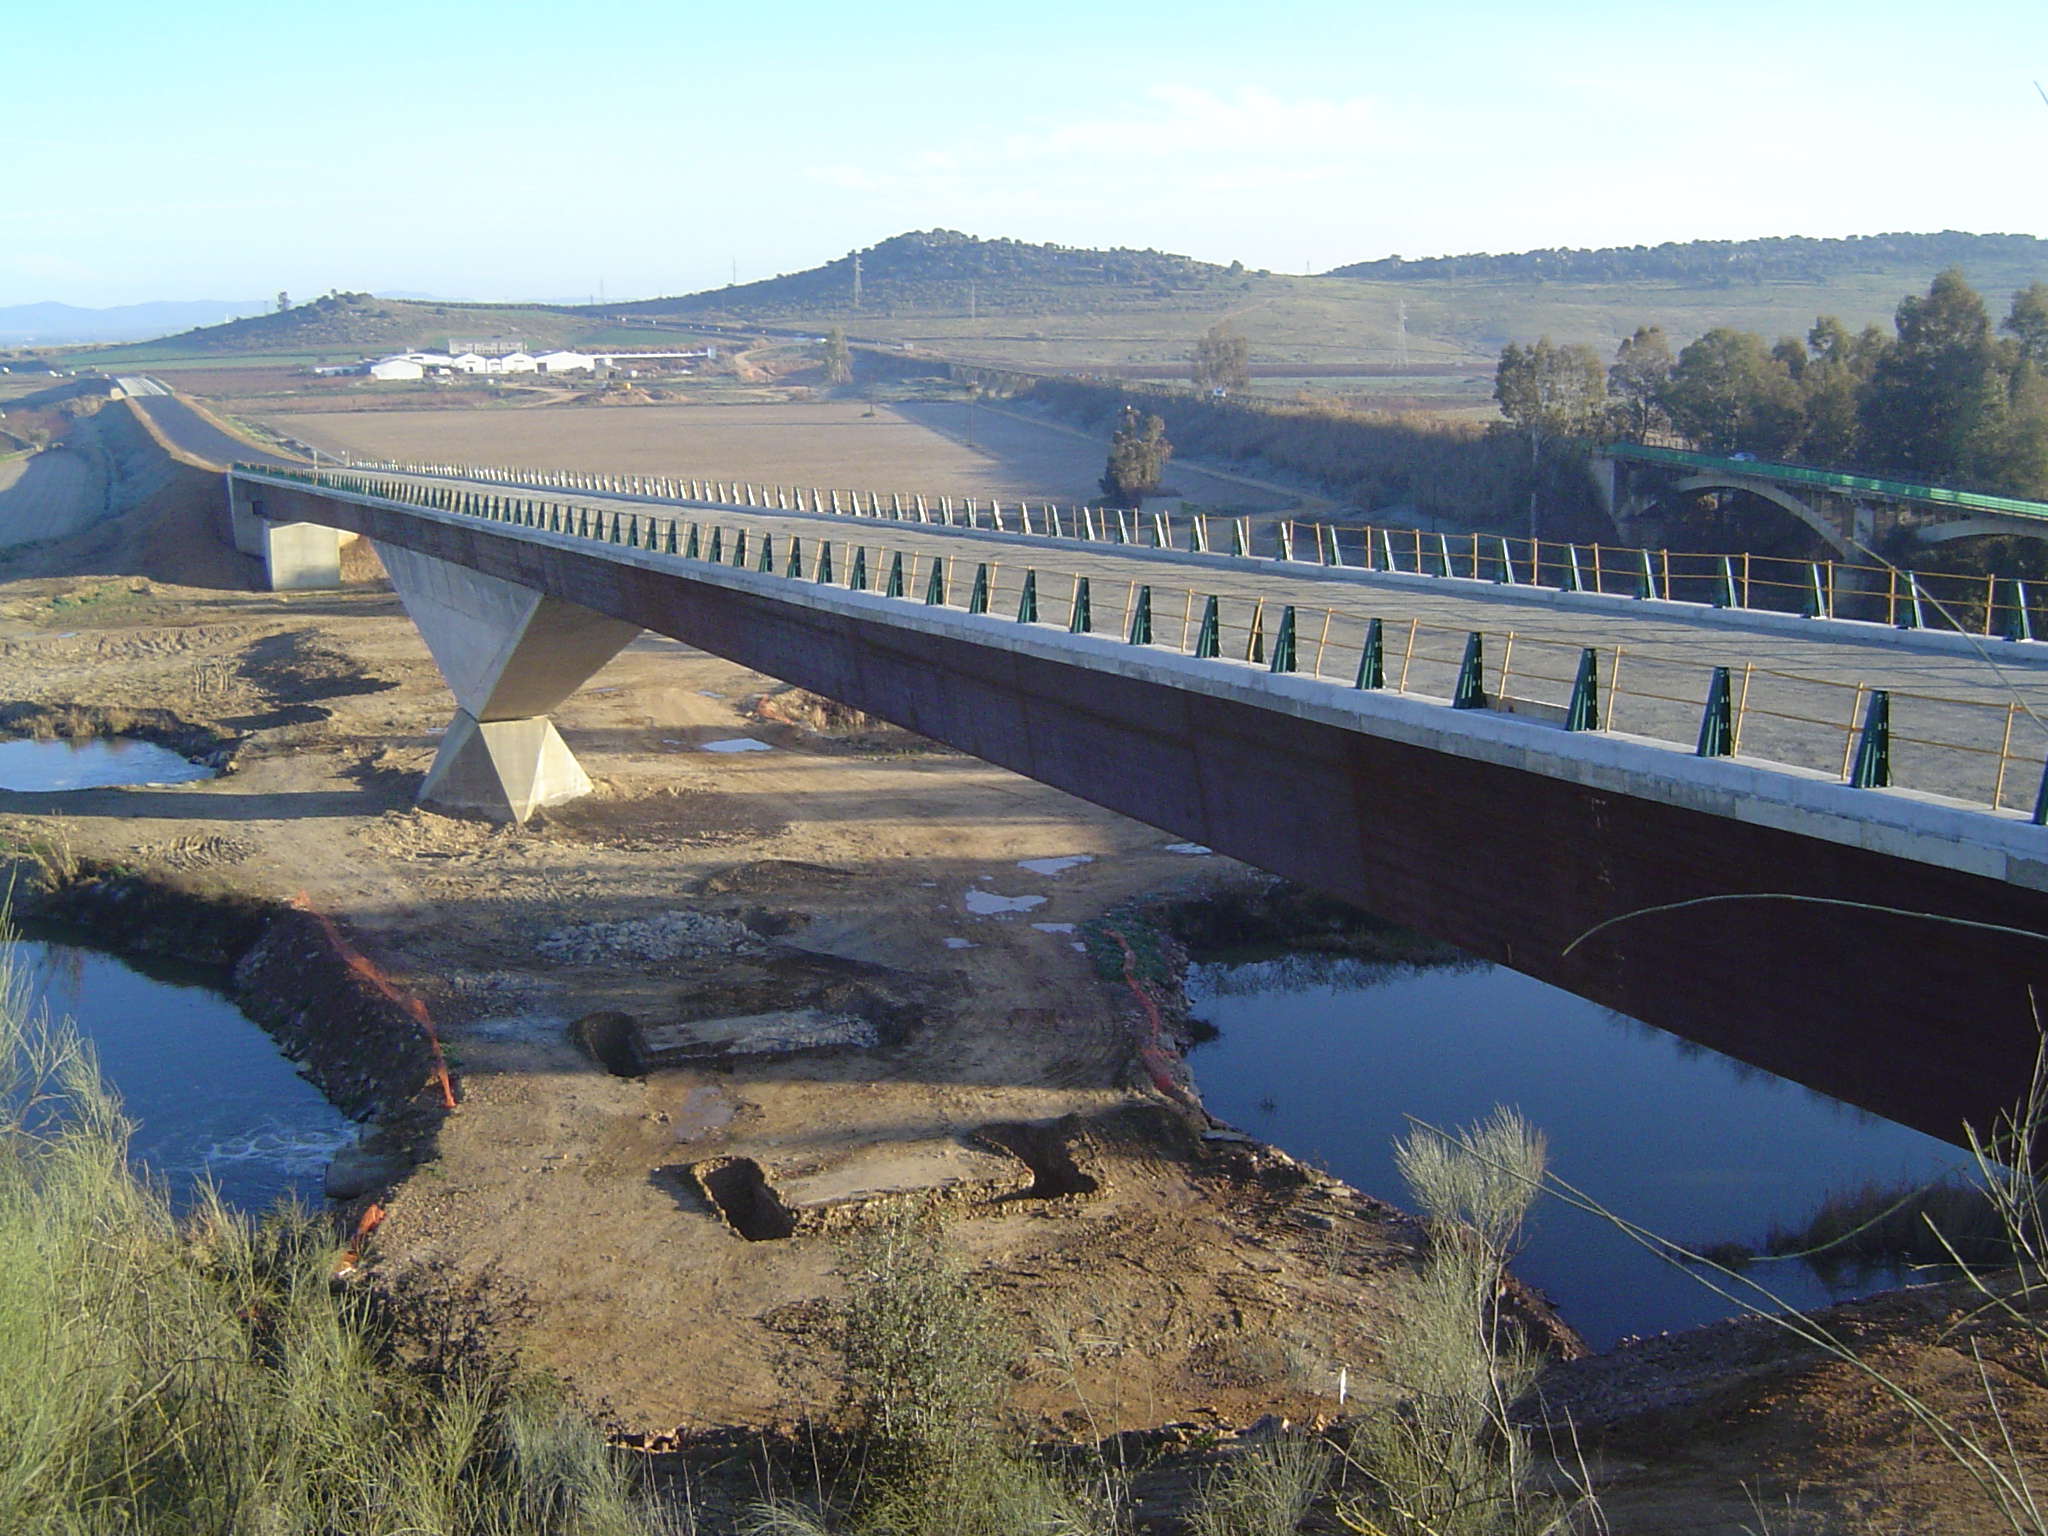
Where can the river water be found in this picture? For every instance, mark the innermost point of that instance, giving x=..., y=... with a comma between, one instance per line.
x=211, y=1095
x=92, y=762
x=1326, y=1059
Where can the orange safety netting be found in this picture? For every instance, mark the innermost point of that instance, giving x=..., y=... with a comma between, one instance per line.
x=362, y=966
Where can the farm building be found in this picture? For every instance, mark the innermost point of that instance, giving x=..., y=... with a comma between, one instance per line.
x=565, y=362
x=395, y=368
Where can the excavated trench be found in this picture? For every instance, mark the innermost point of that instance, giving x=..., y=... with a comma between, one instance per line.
x=740, y=1192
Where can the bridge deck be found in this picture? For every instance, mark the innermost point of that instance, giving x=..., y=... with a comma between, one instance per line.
x=1969, y=720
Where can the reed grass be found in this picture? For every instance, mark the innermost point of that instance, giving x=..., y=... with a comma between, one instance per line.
x=211, y=1378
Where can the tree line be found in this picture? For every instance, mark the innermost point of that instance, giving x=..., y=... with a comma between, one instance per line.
x=1718, y=263
x=1946, y=397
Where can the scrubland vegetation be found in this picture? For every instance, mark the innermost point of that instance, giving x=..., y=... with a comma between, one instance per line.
x=211, y=1376
x=1447, y=469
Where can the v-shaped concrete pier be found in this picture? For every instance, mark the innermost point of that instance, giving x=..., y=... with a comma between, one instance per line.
x=510, y=655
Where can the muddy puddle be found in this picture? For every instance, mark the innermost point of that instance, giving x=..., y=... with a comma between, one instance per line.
x=211, y=1096
x=92, y=762
x=1327, y=1058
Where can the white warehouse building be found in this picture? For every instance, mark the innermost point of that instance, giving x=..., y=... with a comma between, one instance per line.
x=566, y=362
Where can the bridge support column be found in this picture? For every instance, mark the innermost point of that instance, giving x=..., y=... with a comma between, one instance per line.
x=510, y=655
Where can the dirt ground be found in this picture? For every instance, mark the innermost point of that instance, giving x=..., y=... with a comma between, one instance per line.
x=47, y=495
x=862, y=994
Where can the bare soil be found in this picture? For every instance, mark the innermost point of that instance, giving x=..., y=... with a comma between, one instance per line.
x=667, y=1241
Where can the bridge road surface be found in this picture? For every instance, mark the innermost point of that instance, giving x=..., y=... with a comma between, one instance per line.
x=192, y=433
x=1663, y=649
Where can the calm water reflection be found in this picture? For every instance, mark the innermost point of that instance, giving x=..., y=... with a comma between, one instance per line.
x=1325, y=1059
x=92, y=762
x=210, y=1092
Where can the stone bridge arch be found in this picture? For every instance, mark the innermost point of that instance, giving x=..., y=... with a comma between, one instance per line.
x=1829, y=530
x=1980, y=528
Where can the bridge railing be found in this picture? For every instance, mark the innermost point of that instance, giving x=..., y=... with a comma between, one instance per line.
x=1983, y=752
x=1992, y=606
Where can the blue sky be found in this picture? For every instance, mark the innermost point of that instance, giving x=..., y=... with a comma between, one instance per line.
x=222, y=149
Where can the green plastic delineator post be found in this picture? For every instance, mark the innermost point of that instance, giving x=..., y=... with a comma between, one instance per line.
x=1717, y=722
x=2021, y=625
x=1198, y=533
x=893, y=585
x=1078, y=616
x=1872, y=768
x=1910, y=615
x=692, y=548
x=1646, y=577
x=1724, y=585
x=858, y=580
x=977, y=599
x=1816, y=592
x=766, y=563
x=1027, y=600
x=1387, y=550
x=1471, y=691
x=1283, y=643
x=1506, y=578
x=633, y=532
x=1209, y=638
x=668, y=542
x=824, y=562
x=935, y=583
x=1141, y=618
x=1237, y=538
x=1443, y=554
x=1372, y=658
x=717, y=545
x=1255, y=642
x=1569, y=579
x=1583, y=714
x=794, y=568
x=2040, y=816
x=739, y=549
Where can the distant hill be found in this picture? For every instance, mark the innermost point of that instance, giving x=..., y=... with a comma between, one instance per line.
x=1724, y=263
x=942, y=269
x=349, y=323
x=55, y=324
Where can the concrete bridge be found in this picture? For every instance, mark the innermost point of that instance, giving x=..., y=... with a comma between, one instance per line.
x=1715, y=852
x=1845, y=511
